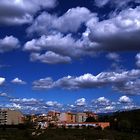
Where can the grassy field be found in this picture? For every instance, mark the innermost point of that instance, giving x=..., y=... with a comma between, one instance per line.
x=68, y=134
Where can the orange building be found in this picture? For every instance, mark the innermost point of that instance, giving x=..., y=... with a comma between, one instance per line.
x=53, y=116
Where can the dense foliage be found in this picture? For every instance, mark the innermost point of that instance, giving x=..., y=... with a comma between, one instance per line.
x=65, y=134
x=128, y=121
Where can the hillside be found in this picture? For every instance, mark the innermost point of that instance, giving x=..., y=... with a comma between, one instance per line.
x=124, y=121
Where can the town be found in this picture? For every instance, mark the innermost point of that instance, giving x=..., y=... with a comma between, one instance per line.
x=55, y=125
x=52, y=119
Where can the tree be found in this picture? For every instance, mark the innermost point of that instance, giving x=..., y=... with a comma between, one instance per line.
x=91, y=119
x=124, y=125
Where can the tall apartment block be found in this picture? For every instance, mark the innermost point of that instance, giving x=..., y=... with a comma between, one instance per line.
x=10, y=117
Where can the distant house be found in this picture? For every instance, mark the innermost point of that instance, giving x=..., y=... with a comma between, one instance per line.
x=10, y=117
x=81, y=117
x=67, y=117
x=53, y=116
x=91, y=114
x=69, y=120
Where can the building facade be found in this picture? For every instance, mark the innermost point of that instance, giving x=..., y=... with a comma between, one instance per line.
x=67, y=117
x=102, y=125
x=10, y=117
x=81, y=117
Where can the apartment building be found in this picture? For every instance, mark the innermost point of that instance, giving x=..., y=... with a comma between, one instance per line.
x=10, y=117
x=3, y=117
x=67, y=117
x=81, y=117
x=53, y=116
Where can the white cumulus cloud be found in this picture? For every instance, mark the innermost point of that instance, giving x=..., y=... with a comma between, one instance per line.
x=2, y=80
x=71, y=21
x=125, y=99
x=113, y=56
x=117, y=80
x=119, y=33
x=50, y=58
x=18, y=81
x=22, y=11
x=9, y=43
x=80, y=102
x=138, y=59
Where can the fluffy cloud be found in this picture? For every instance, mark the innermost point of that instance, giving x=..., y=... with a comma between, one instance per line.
x=71, y=21
x=115, y=3
x=27, y=109
x=52, y=104
x=3, y=94
x=125, y=99
x=46, y=83
x=64, y=48
x=21, y=11
x=80, y=102
x=18, y=81
x=17, y=106
x=100, y=105
x=109, y=108
x=105, y=105
x=50, y=58
x=25, y=101
x=120, y=33
x=113, y=56
x=2, y=80
x=102, y=101
x=86, y=81
x=9, y=43
x=130, y=107
x=65, y=45
x=138, y=59
x=130, y=87
x=101, y=3
x=27, y=105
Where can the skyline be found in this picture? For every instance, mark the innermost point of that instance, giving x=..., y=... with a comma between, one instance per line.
x=75, y=55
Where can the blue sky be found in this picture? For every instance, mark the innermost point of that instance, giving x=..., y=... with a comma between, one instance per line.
x=73, y=55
